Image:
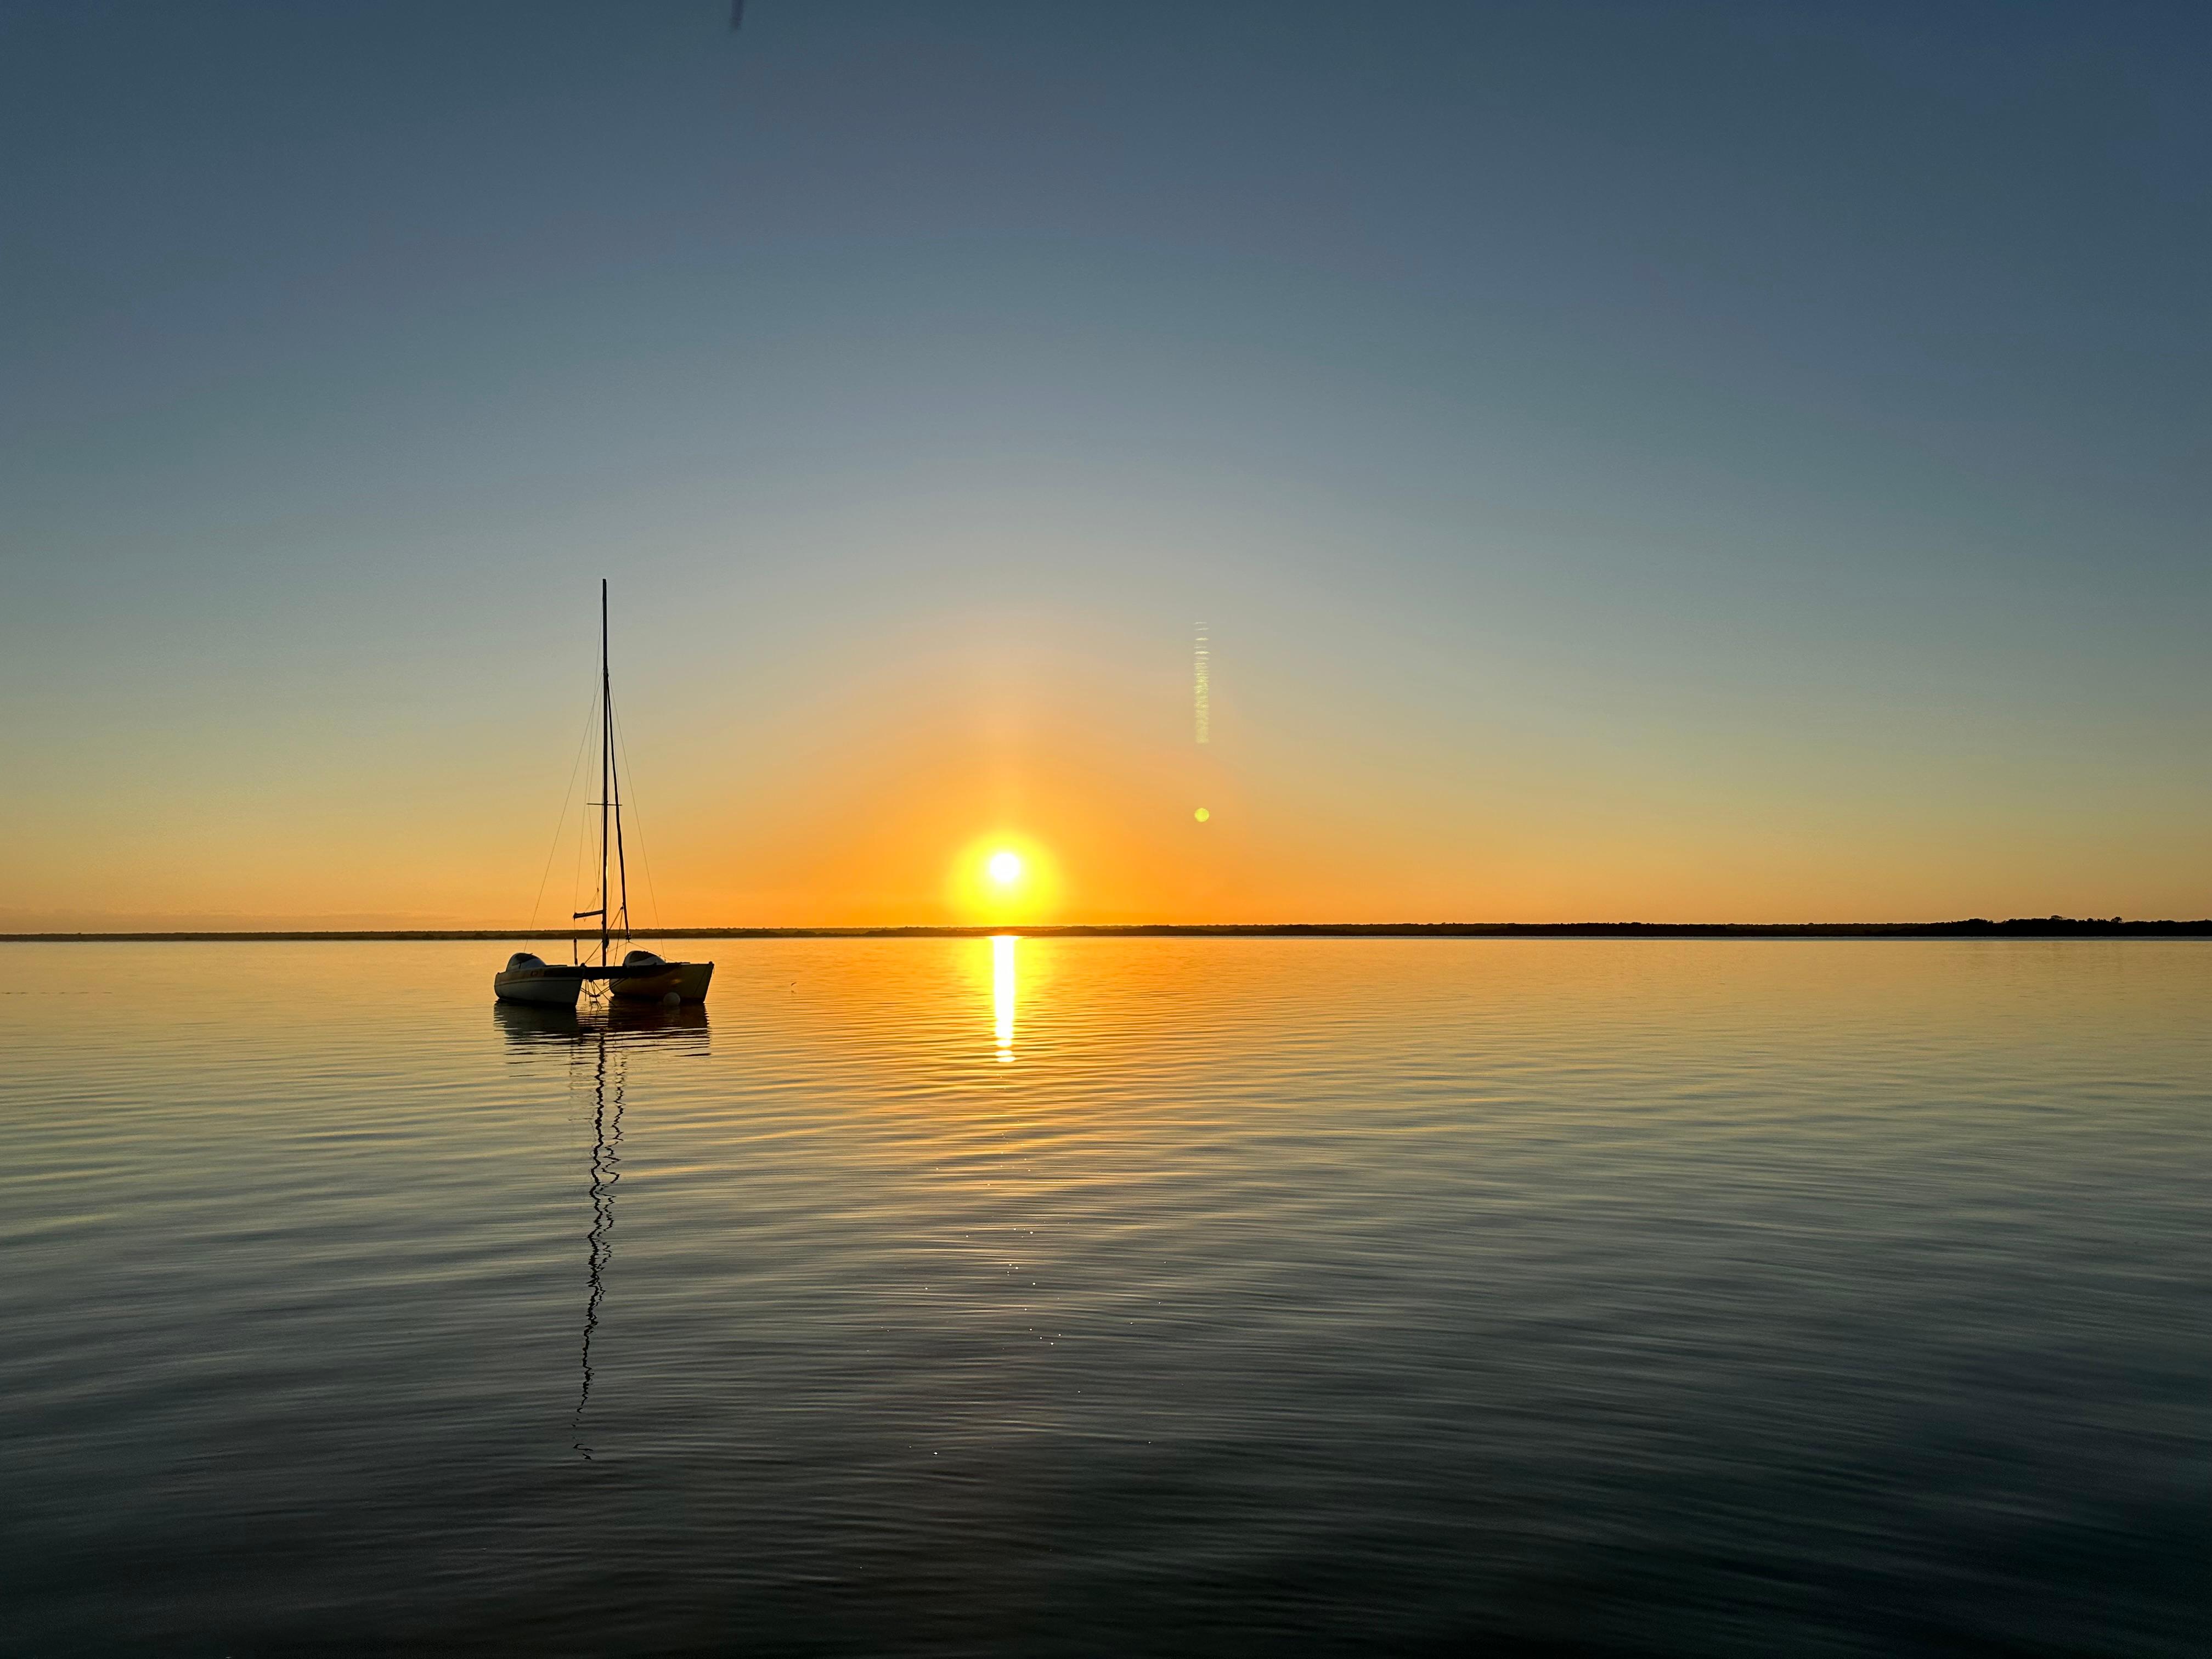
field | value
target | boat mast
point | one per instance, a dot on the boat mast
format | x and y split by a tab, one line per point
606	767
614	773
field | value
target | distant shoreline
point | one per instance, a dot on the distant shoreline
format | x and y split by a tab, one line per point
2043	928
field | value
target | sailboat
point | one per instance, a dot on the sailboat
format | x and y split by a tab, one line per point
640	976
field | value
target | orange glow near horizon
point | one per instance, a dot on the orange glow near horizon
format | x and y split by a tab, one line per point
888	811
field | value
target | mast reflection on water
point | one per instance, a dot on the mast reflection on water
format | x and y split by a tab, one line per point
602	1037
606	1137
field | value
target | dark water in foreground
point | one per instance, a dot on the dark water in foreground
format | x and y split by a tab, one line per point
1213	1296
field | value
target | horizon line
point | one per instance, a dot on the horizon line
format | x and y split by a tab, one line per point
2054	926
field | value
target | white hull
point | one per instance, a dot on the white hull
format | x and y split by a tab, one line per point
536	986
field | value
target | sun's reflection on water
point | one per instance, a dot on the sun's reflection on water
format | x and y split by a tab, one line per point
1005	987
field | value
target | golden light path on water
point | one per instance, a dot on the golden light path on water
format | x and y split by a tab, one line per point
1005	990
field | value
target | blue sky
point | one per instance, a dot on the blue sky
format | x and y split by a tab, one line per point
1742	461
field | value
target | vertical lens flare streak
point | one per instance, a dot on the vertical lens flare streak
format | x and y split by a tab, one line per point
1200	686
1005	987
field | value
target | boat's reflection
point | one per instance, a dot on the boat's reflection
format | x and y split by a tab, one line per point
599	1040
621	1023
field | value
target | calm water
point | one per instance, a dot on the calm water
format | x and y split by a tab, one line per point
1201	1295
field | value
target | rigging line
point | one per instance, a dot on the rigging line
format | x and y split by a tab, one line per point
644	858
583	833
561	822
622	860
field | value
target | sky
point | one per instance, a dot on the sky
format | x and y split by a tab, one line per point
1718	462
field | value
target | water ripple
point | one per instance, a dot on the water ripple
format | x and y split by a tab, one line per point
1174	1295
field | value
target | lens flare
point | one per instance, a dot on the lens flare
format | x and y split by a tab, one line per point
1201	685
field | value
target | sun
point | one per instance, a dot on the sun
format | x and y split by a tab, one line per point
1003	878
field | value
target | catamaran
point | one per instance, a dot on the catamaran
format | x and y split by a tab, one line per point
640	976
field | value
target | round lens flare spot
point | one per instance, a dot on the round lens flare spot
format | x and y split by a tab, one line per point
1201	814
1006	868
